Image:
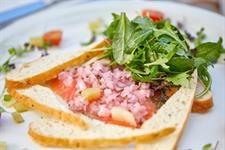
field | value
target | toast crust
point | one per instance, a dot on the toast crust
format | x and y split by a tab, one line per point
174	137
50	141
202	106
55	113
50	74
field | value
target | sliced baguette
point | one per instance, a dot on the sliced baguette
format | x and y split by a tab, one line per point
56	133
204	103
46	68
178	114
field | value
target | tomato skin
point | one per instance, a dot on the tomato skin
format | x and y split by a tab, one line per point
53	37
152	14
66	92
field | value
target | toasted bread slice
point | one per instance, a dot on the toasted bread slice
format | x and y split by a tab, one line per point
98	134
44	100
56	133
46	68
202	104
178	120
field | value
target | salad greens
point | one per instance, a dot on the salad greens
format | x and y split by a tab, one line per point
157	51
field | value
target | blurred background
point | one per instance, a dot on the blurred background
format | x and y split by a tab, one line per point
11	10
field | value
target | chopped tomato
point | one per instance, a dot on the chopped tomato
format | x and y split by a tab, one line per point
152	14
66	92
53	37
151	109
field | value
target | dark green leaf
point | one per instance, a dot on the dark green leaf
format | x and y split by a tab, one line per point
110	31
123	32
180	64
210	51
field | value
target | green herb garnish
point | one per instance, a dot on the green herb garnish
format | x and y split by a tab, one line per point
7	97
200	37
14	53
157	51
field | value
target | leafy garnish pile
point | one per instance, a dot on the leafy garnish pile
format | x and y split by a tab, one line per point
158	51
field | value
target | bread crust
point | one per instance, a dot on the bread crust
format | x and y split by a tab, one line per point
202	106
174	137
57	114
95	142
50	74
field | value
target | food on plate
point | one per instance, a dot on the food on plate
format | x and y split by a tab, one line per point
17	117
108	134
41	43
53	37
154	15
136	86
37	94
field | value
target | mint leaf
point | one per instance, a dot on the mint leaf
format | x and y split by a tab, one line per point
179	79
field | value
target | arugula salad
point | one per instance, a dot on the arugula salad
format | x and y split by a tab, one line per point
154	50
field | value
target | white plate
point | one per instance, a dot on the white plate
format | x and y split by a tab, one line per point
73	20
